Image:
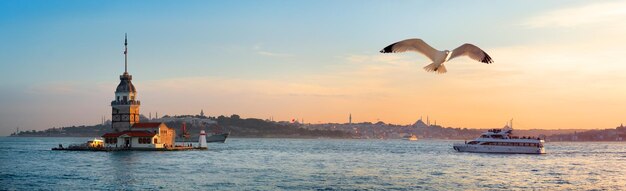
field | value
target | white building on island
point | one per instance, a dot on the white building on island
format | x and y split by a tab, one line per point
142	135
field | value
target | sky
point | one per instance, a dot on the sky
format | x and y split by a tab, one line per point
558	64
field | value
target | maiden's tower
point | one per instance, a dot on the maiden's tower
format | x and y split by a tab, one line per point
128	132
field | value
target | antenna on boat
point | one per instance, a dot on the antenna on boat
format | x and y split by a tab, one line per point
511	123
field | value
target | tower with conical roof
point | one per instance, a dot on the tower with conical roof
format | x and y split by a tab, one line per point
125	107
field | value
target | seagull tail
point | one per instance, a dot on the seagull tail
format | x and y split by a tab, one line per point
434	67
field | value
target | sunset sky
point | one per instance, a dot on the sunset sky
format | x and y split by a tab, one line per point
558	64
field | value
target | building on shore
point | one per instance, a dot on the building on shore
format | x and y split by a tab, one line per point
128	132
142	135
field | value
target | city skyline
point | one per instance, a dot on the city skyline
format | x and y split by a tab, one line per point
557	64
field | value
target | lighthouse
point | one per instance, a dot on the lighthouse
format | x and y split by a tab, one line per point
125	106
128	132
202	140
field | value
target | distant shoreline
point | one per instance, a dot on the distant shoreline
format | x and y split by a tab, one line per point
329	138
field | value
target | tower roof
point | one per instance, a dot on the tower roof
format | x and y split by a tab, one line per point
125	84
130	134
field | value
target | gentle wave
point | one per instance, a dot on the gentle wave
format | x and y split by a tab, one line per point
310	164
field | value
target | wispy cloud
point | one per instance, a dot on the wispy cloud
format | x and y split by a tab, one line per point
273	54
68	88
592	13
258	49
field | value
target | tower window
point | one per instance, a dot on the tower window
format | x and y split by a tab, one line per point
125	98
118	98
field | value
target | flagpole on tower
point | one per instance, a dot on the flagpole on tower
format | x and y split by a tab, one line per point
125	53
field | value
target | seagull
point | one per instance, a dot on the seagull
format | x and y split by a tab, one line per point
438	57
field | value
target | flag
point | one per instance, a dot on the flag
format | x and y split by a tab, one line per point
125	43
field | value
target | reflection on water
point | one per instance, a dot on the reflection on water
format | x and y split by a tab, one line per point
270	164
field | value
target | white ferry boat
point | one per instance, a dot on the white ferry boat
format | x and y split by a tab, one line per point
502	141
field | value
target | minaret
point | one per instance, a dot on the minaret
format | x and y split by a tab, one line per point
125	106
202	113
350	119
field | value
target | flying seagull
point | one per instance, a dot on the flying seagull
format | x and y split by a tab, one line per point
438	57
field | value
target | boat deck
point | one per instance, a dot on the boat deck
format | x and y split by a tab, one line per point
128	149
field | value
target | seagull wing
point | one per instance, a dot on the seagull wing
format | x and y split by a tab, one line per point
473	52
417	45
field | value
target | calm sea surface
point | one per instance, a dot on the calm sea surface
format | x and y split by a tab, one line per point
310	164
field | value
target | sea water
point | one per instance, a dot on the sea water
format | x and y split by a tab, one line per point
310	164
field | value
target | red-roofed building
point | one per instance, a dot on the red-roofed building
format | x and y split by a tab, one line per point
142	135
147	125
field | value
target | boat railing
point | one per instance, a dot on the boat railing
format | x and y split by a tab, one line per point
524	137
512	137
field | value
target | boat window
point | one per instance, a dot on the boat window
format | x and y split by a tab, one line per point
473	142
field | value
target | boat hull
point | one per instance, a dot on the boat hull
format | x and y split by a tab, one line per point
217	138
498	149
